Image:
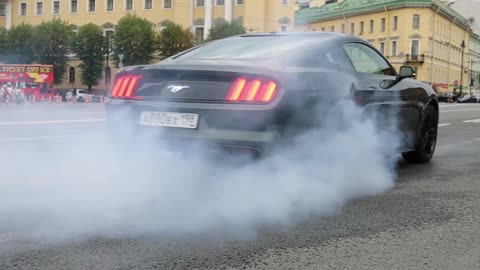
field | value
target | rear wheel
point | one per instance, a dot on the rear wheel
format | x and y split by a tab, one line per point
427	141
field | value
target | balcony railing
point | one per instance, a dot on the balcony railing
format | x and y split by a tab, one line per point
415	58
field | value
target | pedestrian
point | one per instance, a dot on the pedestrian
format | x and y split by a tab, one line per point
74	95
69	96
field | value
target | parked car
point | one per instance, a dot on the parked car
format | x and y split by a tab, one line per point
83	95
469	99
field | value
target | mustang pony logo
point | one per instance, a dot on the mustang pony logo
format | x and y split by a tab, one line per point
177	88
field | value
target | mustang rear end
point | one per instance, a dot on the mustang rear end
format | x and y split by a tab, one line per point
231	109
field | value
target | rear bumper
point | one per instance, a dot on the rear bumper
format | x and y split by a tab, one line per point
231	127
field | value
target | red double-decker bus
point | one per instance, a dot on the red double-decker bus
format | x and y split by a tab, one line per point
35	80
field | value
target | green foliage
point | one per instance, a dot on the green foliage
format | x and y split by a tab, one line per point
89	45
134	37
51	42
225	29
174	39
17	47
3	44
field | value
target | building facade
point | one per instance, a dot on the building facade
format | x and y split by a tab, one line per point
474	63
427	35
470	9
197	15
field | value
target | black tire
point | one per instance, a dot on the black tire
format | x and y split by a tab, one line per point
427	139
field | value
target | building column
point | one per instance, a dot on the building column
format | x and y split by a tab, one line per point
208	18
8	14
190	22
228	10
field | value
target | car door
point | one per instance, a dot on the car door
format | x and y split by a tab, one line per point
378	87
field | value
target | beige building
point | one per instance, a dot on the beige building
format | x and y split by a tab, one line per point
197	15
426	34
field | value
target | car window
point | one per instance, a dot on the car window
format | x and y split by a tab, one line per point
333	59
367	60
82	92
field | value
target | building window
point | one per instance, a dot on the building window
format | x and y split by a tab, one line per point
108	33
109	5
284	2
73	6
343	28
361	28
23	9
56	8
167	4
91	5
71	75
382	47
239	2
322	29
220	2
332	28
415	48
148	4
39	8
416	21
395	23
371	26
352	28
2	9
128	4
200	3
283	28
382	25
199	35
394	48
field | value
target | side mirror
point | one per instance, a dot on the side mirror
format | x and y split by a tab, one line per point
407	72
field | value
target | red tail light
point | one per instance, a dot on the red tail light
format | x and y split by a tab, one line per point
125	86
256	90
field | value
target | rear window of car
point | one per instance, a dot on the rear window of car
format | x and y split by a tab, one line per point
249	47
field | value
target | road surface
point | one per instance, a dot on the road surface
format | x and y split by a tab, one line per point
429	220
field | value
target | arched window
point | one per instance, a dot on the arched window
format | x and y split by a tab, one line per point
71	75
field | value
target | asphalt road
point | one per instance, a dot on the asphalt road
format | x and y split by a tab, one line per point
429	220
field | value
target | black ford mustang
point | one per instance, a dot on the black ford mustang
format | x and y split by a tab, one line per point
245	92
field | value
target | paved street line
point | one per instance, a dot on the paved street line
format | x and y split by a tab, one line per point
86	113
459	110
443	125
46	122
22	139
472	121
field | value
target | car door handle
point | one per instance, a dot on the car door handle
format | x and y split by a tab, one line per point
372	88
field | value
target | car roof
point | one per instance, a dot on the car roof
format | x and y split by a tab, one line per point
319	35
324	39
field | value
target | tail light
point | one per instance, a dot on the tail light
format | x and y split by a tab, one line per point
126	86
257	91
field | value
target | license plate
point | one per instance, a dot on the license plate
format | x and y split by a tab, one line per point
169	119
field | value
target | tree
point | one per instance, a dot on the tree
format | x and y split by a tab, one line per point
18	46
225	29
174	39
3	44
51	42
134	37
89	46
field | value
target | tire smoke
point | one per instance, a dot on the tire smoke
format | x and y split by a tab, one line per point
90	187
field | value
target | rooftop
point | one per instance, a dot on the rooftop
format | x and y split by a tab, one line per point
356	7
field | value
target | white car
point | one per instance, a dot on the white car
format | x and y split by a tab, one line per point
83	94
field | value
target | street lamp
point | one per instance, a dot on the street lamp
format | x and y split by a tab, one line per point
461	70
107	67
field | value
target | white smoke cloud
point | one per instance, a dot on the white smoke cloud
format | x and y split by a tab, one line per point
89	188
